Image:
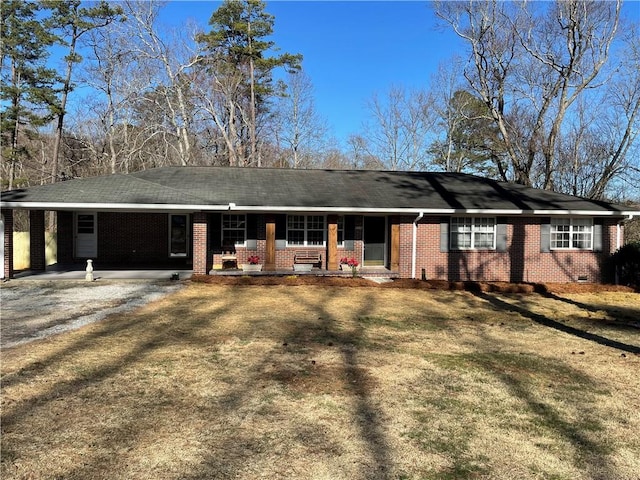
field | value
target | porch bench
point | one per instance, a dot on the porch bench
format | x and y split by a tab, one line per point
308	257
229	257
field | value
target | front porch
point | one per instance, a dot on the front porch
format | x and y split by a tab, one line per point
124	272
207	243
363	272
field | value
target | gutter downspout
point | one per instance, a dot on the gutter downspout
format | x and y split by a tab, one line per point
414	245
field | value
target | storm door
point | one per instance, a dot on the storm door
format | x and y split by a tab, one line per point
375	237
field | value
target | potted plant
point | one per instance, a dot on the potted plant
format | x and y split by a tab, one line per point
349	264
253	264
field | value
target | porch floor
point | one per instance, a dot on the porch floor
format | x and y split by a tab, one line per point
77	272
381	272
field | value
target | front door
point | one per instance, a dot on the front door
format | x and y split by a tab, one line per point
375	229
86	234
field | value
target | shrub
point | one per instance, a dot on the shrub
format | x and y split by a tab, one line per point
627	264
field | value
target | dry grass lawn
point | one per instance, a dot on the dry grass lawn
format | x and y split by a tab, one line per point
324	382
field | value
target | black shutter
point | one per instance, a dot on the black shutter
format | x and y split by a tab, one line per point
597	235
215	231
501	234
545	235
252	231
281	231
349	232
444	234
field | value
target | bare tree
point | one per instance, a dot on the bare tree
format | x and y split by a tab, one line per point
297	126
396	133
172	54
529	64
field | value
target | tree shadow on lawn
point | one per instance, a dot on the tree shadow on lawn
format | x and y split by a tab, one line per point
234	450
304	340
623	316
535	381
548	322
131	326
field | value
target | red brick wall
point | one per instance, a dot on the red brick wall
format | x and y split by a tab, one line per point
136	238
522	261
143	238
37	242
65	237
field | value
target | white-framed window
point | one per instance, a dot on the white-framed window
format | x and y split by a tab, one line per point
305	230
571	233
473	233
234	229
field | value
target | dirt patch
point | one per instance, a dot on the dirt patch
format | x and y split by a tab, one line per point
498	287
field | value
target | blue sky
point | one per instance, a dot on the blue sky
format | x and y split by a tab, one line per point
351	49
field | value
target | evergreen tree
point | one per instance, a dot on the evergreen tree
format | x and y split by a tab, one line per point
472	142
237	45
27	87
70	21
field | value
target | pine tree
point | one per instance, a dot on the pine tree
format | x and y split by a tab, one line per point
70	21
237	45
27	87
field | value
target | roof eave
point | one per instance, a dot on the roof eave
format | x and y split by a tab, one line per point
111	207
156	207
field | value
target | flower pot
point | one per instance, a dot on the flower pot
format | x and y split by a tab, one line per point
250	267
346	268
302	267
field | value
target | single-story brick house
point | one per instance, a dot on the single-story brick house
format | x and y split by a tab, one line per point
413	224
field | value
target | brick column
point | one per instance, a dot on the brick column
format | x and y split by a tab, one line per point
7	218
332	243
64	238
200	243
270	247
37	245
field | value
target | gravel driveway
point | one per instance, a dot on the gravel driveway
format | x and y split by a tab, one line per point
37	309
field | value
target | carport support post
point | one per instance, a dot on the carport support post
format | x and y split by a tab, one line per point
199	243
7	253
270	250
395	244
37	240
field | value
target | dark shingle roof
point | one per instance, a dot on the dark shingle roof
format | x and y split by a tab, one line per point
172	187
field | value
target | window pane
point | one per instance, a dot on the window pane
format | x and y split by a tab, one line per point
483	240
315	222
582	240
295	237
461	240
315	237
85	223
233	229
295	222
560	240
